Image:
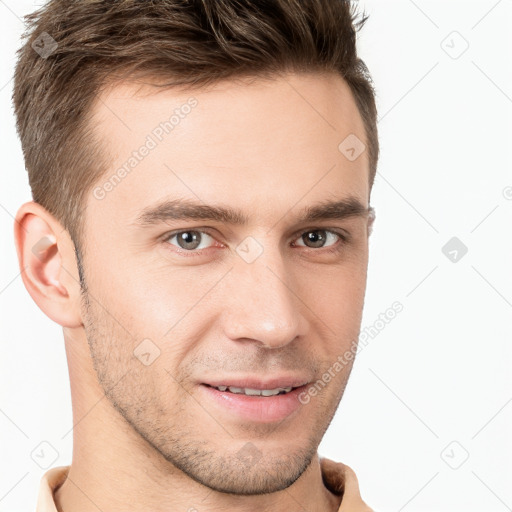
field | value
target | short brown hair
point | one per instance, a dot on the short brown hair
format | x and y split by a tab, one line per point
86	44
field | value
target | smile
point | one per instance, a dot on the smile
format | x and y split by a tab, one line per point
254	392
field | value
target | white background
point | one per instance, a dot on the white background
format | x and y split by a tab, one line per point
434	387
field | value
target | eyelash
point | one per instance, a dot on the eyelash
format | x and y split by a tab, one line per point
335	248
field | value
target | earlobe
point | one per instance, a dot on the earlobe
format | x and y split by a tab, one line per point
46	259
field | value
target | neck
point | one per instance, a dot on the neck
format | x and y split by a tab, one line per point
113	466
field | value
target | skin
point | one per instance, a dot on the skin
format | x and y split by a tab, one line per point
147	435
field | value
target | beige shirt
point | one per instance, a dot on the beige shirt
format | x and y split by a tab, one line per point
339	478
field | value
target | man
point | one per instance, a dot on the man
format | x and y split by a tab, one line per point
201	174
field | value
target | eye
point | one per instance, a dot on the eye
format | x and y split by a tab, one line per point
318	238
190	240
193	240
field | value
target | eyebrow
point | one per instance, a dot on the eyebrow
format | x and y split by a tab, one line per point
186	209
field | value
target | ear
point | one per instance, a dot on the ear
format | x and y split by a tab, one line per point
371	220
46	256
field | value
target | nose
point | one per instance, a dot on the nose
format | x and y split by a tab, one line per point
263	306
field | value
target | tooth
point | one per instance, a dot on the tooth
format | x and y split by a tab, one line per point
255	392
252	392
269	392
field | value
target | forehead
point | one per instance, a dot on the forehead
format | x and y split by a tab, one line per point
261	144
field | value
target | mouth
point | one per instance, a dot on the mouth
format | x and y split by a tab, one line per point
253	400
253	391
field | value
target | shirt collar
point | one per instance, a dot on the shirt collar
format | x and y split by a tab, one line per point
339	478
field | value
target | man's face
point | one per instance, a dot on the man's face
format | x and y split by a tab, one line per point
178	306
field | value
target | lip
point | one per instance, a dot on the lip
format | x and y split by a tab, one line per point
257	409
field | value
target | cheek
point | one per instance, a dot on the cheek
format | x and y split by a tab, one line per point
155	298
169	306
335	298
